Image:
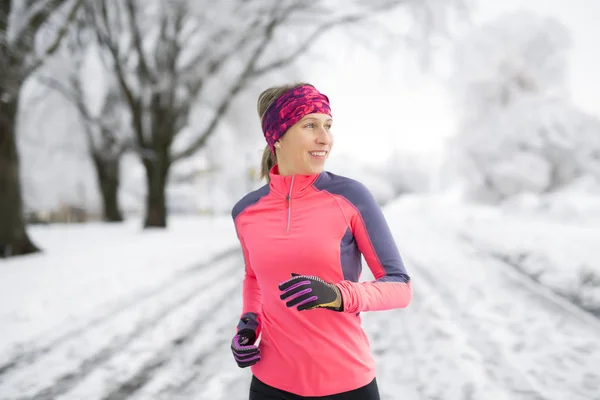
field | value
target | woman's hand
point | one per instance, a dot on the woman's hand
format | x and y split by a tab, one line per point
310	292
244	351
243	345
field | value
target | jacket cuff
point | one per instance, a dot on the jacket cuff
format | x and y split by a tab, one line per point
249	321
348	297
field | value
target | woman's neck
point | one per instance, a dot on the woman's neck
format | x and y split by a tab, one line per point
284	170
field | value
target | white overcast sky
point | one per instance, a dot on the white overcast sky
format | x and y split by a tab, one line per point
375	111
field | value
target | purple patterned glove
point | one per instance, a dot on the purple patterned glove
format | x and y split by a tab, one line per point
309	292
244	351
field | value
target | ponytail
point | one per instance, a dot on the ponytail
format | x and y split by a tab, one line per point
267	162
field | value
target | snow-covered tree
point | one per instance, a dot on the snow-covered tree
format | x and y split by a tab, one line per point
22	51
370	175
535	145
101	110
518	54
519	133
174	58
408	173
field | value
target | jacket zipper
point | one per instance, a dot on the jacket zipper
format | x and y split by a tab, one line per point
289	205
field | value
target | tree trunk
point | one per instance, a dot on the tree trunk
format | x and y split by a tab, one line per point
107	171
157	170
13	236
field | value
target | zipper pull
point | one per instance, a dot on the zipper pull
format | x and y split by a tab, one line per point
287	200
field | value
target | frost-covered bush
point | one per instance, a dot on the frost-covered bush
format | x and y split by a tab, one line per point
535	145
518	133
519	53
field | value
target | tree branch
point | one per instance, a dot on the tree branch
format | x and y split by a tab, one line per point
25	39
251	71
64	28
74	97
143	70
60	35
214	62
5	10
195	80
241	82
68	94
108	41
168	50
24	43
190	176
318	32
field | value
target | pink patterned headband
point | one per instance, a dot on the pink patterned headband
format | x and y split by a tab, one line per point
289	108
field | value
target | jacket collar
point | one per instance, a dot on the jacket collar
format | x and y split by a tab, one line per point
293	186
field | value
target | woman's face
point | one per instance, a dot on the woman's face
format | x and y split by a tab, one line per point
305	146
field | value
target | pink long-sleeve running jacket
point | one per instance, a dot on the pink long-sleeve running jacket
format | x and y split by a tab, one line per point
316	225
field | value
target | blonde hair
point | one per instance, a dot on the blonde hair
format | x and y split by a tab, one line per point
265	99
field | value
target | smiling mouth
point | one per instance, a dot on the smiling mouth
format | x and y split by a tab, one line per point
318	153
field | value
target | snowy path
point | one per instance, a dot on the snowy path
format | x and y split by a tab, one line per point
510	337
121	348
476	329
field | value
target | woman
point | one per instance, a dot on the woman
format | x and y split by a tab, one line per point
302	236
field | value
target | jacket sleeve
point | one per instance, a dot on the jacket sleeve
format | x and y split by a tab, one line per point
392	287
251	295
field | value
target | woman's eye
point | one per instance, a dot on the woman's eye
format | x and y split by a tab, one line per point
309	125
328	127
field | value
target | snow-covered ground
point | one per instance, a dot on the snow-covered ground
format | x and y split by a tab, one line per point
558	248
481	329
112	312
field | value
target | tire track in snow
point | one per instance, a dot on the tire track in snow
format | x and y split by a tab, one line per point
81	368
554	350
212	373
215	360
37	350
578	351
425	354
519	276
202	366
207	363
392	345
518	328
496	367
181	344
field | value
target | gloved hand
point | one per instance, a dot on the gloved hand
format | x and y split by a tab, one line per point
309	292
244	351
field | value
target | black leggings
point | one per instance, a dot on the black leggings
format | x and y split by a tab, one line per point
261	391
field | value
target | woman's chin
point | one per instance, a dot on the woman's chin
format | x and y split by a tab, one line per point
317	167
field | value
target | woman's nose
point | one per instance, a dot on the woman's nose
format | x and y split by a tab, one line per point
323	137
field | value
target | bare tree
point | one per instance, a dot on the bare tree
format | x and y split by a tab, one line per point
20	23
170	57
107	133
